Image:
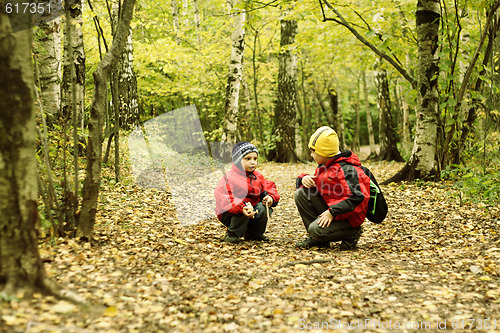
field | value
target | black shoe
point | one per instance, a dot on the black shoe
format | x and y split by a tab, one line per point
352	241
308	243
231	237
260	238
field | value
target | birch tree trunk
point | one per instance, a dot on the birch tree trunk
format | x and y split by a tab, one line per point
405	109
184	13
74	27
230	128
48	55
369	121
355	140
126	84
421	164
285	115
92	181
387	137
175	20
197	22
21	268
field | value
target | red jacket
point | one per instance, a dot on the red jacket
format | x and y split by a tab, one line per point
238	187
344	186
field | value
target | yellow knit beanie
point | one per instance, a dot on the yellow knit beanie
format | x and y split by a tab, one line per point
324	142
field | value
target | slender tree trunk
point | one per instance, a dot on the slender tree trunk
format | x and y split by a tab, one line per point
92	179
247	129
124	92
175	19
369	121
468	125
233	87
48	55
285	115
338	121
197	22
405	109
421	163
21	268
306	115
255	87
387	138
184	13
355	105
77	60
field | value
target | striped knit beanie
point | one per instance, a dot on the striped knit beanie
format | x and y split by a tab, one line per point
241	149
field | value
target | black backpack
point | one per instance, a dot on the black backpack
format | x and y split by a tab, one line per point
377	206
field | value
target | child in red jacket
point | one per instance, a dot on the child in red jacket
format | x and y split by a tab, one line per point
242	195
332	203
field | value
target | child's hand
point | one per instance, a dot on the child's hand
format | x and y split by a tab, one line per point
248	210
268	201
308	181
325	219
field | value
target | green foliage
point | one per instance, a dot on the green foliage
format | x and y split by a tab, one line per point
479	179
473	184
190	66
4	297
269	143
58	171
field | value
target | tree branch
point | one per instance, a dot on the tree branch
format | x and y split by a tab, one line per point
381	54
465	81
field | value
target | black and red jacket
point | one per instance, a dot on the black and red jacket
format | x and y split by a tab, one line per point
238	187
344	187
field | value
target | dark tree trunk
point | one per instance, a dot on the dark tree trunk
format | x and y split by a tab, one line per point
21	268
338	122
286	104
387	138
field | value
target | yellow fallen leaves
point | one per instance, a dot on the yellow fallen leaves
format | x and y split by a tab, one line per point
485	278
110	311
64	307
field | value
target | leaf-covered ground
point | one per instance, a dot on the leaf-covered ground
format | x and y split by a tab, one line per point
431	265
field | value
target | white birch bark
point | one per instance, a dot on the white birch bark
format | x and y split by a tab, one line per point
197	21
175	19
406	121
184	13
125	80
127	88
424	149
75	29
230	128
369	121
48	56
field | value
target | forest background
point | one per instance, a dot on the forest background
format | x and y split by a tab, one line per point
420	80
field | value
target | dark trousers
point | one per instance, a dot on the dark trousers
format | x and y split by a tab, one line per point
246	226
310	205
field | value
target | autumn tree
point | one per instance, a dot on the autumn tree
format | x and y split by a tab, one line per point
73	69
387	138
422	160
235	76
369	121
21	268
47	52
286	102
92	181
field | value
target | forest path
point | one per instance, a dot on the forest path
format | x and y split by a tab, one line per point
430	261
